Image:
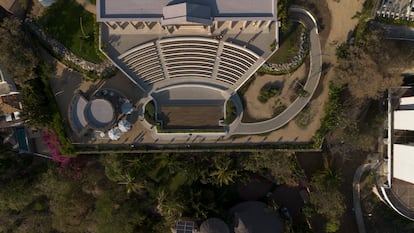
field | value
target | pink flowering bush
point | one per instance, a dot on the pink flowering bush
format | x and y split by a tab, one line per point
68	166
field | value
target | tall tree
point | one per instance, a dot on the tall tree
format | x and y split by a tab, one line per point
371	65
280	166
224	171
17	56
326	198
131	184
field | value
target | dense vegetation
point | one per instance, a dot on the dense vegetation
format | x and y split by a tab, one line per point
231	112
40	108
73	26
326	199
17	55
282	13
267	92
364	72
149	114
289	44
145	193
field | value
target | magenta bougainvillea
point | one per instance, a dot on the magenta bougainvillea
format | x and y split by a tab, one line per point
67	166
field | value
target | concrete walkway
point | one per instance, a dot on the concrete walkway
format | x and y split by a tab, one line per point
315	55
357	195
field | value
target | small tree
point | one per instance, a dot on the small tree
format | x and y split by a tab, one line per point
342	51
326	198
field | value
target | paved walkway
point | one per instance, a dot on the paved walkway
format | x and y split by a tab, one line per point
282	119
357	195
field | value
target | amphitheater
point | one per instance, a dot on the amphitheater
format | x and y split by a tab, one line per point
194	53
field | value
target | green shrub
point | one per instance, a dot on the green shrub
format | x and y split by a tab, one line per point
282	10
231	112
149	114
342	51
267	92
330	119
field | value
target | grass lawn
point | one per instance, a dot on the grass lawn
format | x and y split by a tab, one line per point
62	21
289	47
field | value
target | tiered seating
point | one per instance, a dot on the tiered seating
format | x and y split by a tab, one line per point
234	63
189	57
145	62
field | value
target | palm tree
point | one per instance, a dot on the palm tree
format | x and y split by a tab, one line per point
224	173
135	164
131	184
169	207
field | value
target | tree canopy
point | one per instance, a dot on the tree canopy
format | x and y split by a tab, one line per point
118	193
326	198
370	65
17	55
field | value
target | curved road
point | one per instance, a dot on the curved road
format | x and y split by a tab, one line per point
315	55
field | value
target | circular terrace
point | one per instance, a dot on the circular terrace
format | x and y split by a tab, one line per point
100	113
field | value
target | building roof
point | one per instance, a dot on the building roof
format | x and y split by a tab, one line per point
184	13
407	103
254	217
10	104
149	10
214	225
403	162
403	120
184	226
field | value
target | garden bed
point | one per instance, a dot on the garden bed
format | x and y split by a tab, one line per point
73	26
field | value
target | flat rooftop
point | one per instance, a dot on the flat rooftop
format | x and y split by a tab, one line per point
149	10
403	162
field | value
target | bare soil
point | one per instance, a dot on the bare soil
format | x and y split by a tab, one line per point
37	10
183	117
258	111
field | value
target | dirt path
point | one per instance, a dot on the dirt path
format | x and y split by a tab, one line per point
341	26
